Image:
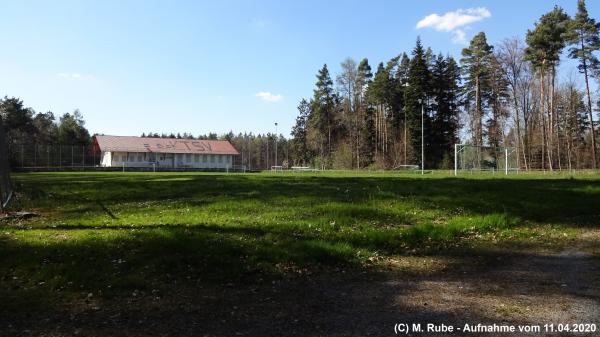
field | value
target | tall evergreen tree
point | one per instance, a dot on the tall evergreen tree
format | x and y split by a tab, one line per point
584	38
475	64
545	43
416	98
299	133
363	79
379	93
367	146
445	93
321	119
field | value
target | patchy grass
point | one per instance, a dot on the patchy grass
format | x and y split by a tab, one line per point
103	235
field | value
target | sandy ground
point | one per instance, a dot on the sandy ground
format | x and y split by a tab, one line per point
483	286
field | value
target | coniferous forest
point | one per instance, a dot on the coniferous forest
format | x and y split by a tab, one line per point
504	94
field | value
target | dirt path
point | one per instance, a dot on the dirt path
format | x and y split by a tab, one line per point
493	286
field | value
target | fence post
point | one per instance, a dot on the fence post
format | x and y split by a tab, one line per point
506	161
455	160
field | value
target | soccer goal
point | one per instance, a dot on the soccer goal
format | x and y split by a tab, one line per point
484	158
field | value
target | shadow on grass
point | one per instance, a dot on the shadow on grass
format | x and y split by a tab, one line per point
215	280
538	200
47	266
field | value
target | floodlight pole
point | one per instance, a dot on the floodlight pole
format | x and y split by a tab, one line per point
455	160
276	144
422	137
506	161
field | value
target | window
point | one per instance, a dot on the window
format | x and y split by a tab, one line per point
196	158
140	157
204	159
220	159
188	157
212	158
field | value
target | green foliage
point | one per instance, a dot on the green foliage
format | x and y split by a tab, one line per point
583	36
476	63
24	126
321	119
18	120
416	98
446	98
546	41
300	147
71	129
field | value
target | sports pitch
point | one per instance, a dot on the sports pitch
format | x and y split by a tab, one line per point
328	253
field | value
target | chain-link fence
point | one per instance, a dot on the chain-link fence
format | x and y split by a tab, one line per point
42	157
25	156
5	185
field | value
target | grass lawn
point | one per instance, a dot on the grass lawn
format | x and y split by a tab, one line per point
136	249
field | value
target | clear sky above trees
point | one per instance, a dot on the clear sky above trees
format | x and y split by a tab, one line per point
210	66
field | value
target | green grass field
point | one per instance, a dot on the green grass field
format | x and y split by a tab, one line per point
106	235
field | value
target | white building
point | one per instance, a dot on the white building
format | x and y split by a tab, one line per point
118	151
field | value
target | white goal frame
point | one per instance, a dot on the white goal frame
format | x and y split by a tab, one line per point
506	153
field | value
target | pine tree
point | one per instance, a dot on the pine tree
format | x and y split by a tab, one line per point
545	43
416	95
445	94
299	134
367	146
475	63
363	79
584	38
378	93
322	117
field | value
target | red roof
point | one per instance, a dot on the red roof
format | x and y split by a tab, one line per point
164	145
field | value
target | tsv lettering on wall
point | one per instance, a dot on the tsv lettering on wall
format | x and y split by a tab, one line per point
190	145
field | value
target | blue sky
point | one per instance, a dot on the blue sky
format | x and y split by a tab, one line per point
215	66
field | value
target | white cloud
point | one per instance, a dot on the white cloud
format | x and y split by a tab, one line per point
69	75
451	21
268	97
459	36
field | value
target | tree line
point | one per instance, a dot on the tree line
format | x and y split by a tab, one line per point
504	95
23	125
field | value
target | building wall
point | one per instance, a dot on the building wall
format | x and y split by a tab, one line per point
177	160
105	159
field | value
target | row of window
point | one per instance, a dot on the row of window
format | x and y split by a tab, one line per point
179	157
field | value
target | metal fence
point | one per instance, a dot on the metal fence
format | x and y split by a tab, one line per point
43	157
24	156
5	185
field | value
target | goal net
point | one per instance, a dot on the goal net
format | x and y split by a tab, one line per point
5	185
484	158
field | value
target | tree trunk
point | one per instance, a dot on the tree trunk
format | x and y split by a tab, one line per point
590	115
551	121
542	116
